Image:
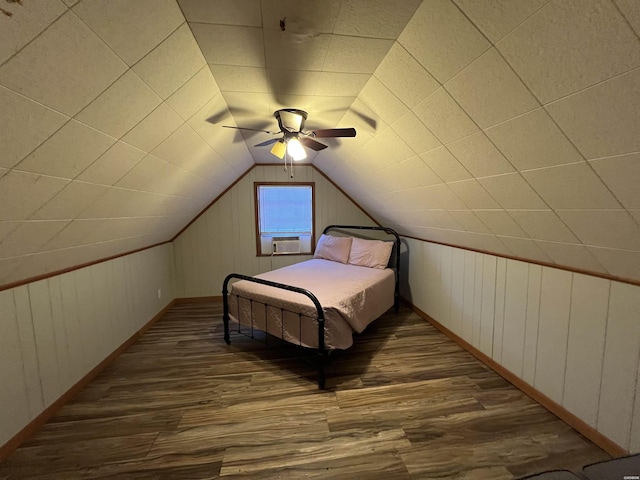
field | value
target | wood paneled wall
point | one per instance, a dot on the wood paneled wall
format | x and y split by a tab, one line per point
223	239
53	332
573	337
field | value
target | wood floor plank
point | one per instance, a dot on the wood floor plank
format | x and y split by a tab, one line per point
403	402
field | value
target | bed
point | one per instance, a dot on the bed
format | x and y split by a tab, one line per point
320	303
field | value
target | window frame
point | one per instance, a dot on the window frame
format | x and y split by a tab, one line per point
256	202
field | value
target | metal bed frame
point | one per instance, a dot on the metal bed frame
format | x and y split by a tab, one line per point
321	350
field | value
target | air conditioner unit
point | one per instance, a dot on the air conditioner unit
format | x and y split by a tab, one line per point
286	244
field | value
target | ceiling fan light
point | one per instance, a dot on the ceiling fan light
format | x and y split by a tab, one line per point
296	150
279	148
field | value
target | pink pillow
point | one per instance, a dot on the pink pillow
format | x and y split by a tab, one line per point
370	253
333	248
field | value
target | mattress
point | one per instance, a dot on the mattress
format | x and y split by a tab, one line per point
351	297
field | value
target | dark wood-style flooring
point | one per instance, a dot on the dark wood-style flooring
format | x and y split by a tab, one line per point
404	402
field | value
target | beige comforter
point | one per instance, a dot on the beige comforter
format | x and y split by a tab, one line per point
351	297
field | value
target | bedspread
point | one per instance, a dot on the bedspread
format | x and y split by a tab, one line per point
351	297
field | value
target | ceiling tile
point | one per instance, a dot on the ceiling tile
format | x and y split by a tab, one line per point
355	54
332	84
415	134
288	51
229	45
418	174
68	152
525	249
572	255
512	192
25	24
393	146
14	205
441	196
489	91
469	221
622	175
453	42
631	11
543	225
380	99
413	85
194	94
568	46
532	141
148	174
374	18
227	12
131	29
496	18
112	165
8	267
571	186
172	63
500	223
603	120
64	68
240	79
444	117
6	227
473	194
29	237
603	228
479	155
119	108
303	17
620	263
156	127
18	111
445	165
70	201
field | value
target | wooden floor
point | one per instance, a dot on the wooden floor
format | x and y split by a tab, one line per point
403	402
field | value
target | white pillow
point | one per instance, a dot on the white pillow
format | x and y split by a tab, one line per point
370	253
333	248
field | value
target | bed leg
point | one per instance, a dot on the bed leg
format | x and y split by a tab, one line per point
322	356
225	310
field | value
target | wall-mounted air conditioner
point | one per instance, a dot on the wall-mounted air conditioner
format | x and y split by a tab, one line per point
286	244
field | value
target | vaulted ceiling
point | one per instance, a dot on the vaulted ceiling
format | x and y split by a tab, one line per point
508	126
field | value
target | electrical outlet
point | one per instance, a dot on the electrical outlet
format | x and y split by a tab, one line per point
159	293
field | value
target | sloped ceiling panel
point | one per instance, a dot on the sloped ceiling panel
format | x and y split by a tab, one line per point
510	127
106	146
513	128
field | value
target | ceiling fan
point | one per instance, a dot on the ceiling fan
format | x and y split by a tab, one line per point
291	123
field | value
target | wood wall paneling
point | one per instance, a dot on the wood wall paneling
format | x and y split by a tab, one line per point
553	332
620	367
534	284
53	332
585	348
515	314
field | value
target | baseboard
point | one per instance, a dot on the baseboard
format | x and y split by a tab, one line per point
24	434
559	411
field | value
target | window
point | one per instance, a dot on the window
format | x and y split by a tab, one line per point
285	218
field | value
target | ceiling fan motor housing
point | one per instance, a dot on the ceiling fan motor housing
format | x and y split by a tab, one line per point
290	119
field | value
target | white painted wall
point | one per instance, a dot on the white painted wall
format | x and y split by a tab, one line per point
223	239
55	331
573	337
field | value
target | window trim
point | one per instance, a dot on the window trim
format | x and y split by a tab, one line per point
256	187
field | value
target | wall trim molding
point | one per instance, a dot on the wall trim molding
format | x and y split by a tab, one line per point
606	276
24	434
212	298
44	276
559	411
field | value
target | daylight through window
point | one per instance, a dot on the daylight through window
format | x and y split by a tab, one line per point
285	216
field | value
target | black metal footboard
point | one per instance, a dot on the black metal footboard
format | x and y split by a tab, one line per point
322	351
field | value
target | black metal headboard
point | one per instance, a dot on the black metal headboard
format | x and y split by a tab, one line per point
388	231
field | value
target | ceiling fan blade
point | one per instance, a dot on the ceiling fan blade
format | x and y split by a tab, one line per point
335	132
268	142
251	129
312	144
